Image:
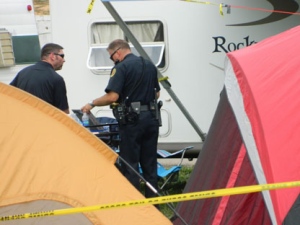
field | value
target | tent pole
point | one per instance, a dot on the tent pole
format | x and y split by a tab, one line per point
153	189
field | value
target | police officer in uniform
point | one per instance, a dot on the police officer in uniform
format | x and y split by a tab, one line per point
133	81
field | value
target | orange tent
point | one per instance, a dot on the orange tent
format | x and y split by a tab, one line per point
50	162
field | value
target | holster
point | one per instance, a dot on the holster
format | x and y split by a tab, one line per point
155	107
159	105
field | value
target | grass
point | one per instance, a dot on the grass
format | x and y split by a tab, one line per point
175	187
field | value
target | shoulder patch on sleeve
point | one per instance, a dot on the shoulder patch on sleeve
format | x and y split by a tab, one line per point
113	72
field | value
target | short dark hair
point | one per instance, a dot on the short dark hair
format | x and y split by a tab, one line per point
118	43
50	47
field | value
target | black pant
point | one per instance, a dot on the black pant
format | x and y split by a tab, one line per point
139	145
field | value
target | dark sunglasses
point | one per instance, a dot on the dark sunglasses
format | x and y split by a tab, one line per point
61	55
112	55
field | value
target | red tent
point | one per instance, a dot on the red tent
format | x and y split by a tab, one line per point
254	138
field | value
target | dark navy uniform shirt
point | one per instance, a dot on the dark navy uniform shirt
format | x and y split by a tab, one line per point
125	76
42	81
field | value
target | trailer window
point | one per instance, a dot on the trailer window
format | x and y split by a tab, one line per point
150	34
26	49
99	57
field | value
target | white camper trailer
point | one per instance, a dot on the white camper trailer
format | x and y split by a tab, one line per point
187	41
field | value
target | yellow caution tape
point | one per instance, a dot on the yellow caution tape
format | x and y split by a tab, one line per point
158	200
91	5
221	9
163	78
208	3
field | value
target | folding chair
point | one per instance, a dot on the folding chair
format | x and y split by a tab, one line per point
171	174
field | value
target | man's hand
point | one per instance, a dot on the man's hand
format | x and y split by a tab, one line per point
87	108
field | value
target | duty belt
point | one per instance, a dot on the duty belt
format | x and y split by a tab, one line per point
144	108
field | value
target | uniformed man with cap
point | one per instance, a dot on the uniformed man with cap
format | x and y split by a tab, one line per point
134	86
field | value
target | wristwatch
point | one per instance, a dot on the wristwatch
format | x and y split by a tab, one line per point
91	104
